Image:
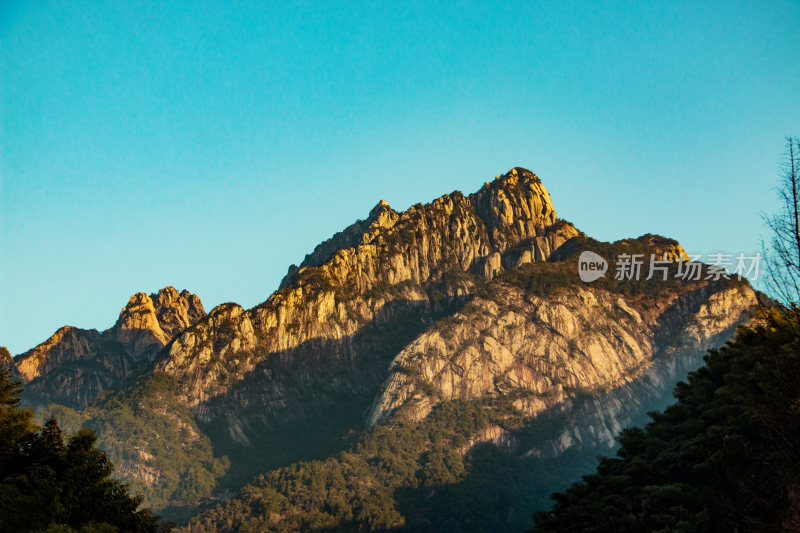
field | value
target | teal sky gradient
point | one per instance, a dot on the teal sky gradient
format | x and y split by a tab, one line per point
209	145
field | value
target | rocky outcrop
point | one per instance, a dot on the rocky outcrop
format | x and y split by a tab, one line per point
389	258
66	345
8	362
226	333
137	327
494	434
147	323
176	311
582	340
381	216
74	365
593	422
402	311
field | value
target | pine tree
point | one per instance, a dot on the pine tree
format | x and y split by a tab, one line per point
49	485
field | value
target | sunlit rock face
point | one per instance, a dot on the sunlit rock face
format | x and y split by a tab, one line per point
147	323
74	365
400	312
66	344
325	332
344	283
550	349
8	362
326	320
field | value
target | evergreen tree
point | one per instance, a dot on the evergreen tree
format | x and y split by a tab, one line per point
723	458
49	485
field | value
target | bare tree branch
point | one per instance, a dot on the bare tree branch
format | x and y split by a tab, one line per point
782	254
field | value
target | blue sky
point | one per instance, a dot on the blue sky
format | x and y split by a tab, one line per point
208	145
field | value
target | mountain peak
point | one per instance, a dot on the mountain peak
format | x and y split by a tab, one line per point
74	365
148	322
139	298
137	326
380	209
390	259
512	177
169	292
523	174
7	361
67	343
176	311
380	216
514	206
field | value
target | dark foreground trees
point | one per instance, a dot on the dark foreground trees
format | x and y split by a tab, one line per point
723	458
51	484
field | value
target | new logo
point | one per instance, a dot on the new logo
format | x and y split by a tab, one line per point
591	266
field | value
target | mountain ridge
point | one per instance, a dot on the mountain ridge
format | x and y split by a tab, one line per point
391	250
465	300
74	365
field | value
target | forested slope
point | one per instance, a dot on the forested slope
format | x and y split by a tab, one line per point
723	458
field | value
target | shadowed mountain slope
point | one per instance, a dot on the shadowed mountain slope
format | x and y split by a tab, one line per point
398	328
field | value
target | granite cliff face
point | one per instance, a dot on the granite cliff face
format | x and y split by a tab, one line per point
147	323
242	369
467	297
8	362
328	316
65	345
75	365
577	341
558	365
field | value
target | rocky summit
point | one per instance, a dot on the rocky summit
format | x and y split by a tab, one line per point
469	305
147	323
8	362
377	272
74	365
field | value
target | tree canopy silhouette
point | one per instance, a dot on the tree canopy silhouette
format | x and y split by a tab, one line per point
723	458
52	484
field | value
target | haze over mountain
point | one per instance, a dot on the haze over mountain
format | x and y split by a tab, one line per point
395	353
